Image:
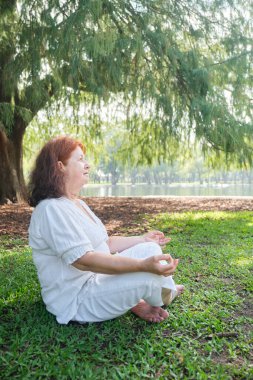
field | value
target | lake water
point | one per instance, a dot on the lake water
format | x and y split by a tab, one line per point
144	190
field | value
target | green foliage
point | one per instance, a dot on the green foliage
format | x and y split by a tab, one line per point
215	251
183	68
112	150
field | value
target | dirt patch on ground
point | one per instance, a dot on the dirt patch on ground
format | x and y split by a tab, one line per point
121	213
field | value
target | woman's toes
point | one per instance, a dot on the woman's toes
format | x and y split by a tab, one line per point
150	313
180	289
163	313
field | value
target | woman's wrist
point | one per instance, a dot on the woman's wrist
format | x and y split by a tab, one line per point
141	266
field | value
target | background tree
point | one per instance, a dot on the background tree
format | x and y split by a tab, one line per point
184	67
110	162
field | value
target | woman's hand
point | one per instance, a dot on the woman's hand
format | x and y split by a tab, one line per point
157	265
157	237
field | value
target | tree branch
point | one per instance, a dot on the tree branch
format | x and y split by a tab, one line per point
230	59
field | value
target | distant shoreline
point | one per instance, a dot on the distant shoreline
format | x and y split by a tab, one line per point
242	197
169	190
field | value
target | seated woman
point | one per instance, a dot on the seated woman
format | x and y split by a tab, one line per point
86	276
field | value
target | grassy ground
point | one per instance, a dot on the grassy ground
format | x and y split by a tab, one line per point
208	334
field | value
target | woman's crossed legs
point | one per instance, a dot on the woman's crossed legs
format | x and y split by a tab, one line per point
109	296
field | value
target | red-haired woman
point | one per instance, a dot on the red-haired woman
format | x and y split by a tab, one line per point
81	279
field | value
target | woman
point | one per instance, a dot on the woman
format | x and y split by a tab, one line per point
81	280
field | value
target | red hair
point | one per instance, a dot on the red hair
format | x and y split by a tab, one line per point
46	180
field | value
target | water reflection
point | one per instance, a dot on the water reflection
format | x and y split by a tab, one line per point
141	190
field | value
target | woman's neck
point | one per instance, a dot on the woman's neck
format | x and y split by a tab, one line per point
72	195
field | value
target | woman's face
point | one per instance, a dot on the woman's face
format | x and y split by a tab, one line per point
76	171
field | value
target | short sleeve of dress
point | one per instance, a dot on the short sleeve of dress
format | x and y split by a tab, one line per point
63	234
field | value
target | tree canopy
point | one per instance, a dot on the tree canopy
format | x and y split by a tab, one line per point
181	69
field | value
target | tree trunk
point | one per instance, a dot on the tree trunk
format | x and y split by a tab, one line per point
114	177
12	184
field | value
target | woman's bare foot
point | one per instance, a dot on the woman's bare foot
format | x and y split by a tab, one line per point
169	295
150	313
180	290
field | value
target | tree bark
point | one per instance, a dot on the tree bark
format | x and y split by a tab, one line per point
12	184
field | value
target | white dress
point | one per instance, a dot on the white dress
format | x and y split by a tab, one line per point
59	234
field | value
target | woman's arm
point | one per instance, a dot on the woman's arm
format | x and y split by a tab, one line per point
110	264
120	243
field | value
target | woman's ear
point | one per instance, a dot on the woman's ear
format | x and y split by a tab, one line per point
61	166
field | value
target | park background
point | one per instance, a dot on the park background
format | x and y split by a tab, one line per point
160	92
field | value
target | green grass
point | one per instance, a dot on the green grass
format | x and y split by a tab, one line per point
215	251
